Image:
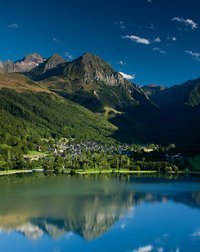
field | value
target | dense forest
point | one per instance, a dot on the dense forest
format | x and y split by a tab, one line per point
27	119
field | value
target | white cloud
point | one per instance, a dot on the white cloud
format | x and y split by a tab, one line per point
120	24
122	226
195	55
56	40
163	52
152	27
196	233
187	22
122	63
13	26
137	39
140	40
68	55
172	38
156	49
149	1
157	40
159	50
69	235
147	248
127	76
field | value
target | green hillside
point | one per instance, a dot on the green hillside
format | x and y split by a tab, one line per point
25	118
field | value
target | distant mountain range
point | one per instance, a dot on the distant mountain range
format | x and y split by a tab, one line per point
26	64
137	114
153	89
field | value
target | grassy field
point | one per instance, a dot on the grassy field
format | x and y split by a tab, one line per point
20	83
11	172
35	153
105	171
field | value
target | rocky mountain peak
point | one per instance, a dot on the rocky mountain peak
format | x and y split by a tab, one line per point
153	89
23	65
34	57
9	66
29	62
90	68
54	61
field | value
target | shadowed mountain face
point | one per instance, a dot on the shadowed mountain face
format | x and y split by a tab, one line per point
90	81
178	119
187	94
86	68
88	207
152	89
47	68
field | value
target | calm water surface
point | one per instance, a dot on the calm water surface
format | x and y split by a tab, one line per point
99	214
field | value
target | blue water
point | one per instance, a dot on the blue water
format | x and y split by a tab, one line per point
100	214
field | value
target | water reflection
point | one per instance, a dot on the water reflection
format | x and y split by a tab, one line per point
56	206
88	207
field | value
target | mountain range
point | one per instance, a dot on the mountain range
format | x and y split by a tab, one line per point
23	65
36	91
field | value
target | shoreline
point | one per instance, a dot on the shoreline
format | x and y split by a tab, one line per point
114	172
98	172
13	172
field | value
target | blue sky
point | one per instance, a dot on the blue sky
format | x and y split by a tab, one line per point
157	41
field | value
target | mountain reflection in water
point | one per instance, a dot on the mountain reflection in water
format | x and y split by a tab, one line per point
88	207
55	206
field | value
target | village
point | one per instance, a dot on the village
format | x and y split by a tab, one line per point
72	149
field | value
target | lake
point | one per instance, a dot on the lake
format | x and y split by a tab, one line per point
99	214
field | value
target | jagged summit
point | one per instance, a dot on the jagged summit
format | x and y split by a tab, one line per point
33	57
153	89
90	68
7	67
23	65
48	68
29	62
88	55
88	80
93	59
53	61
